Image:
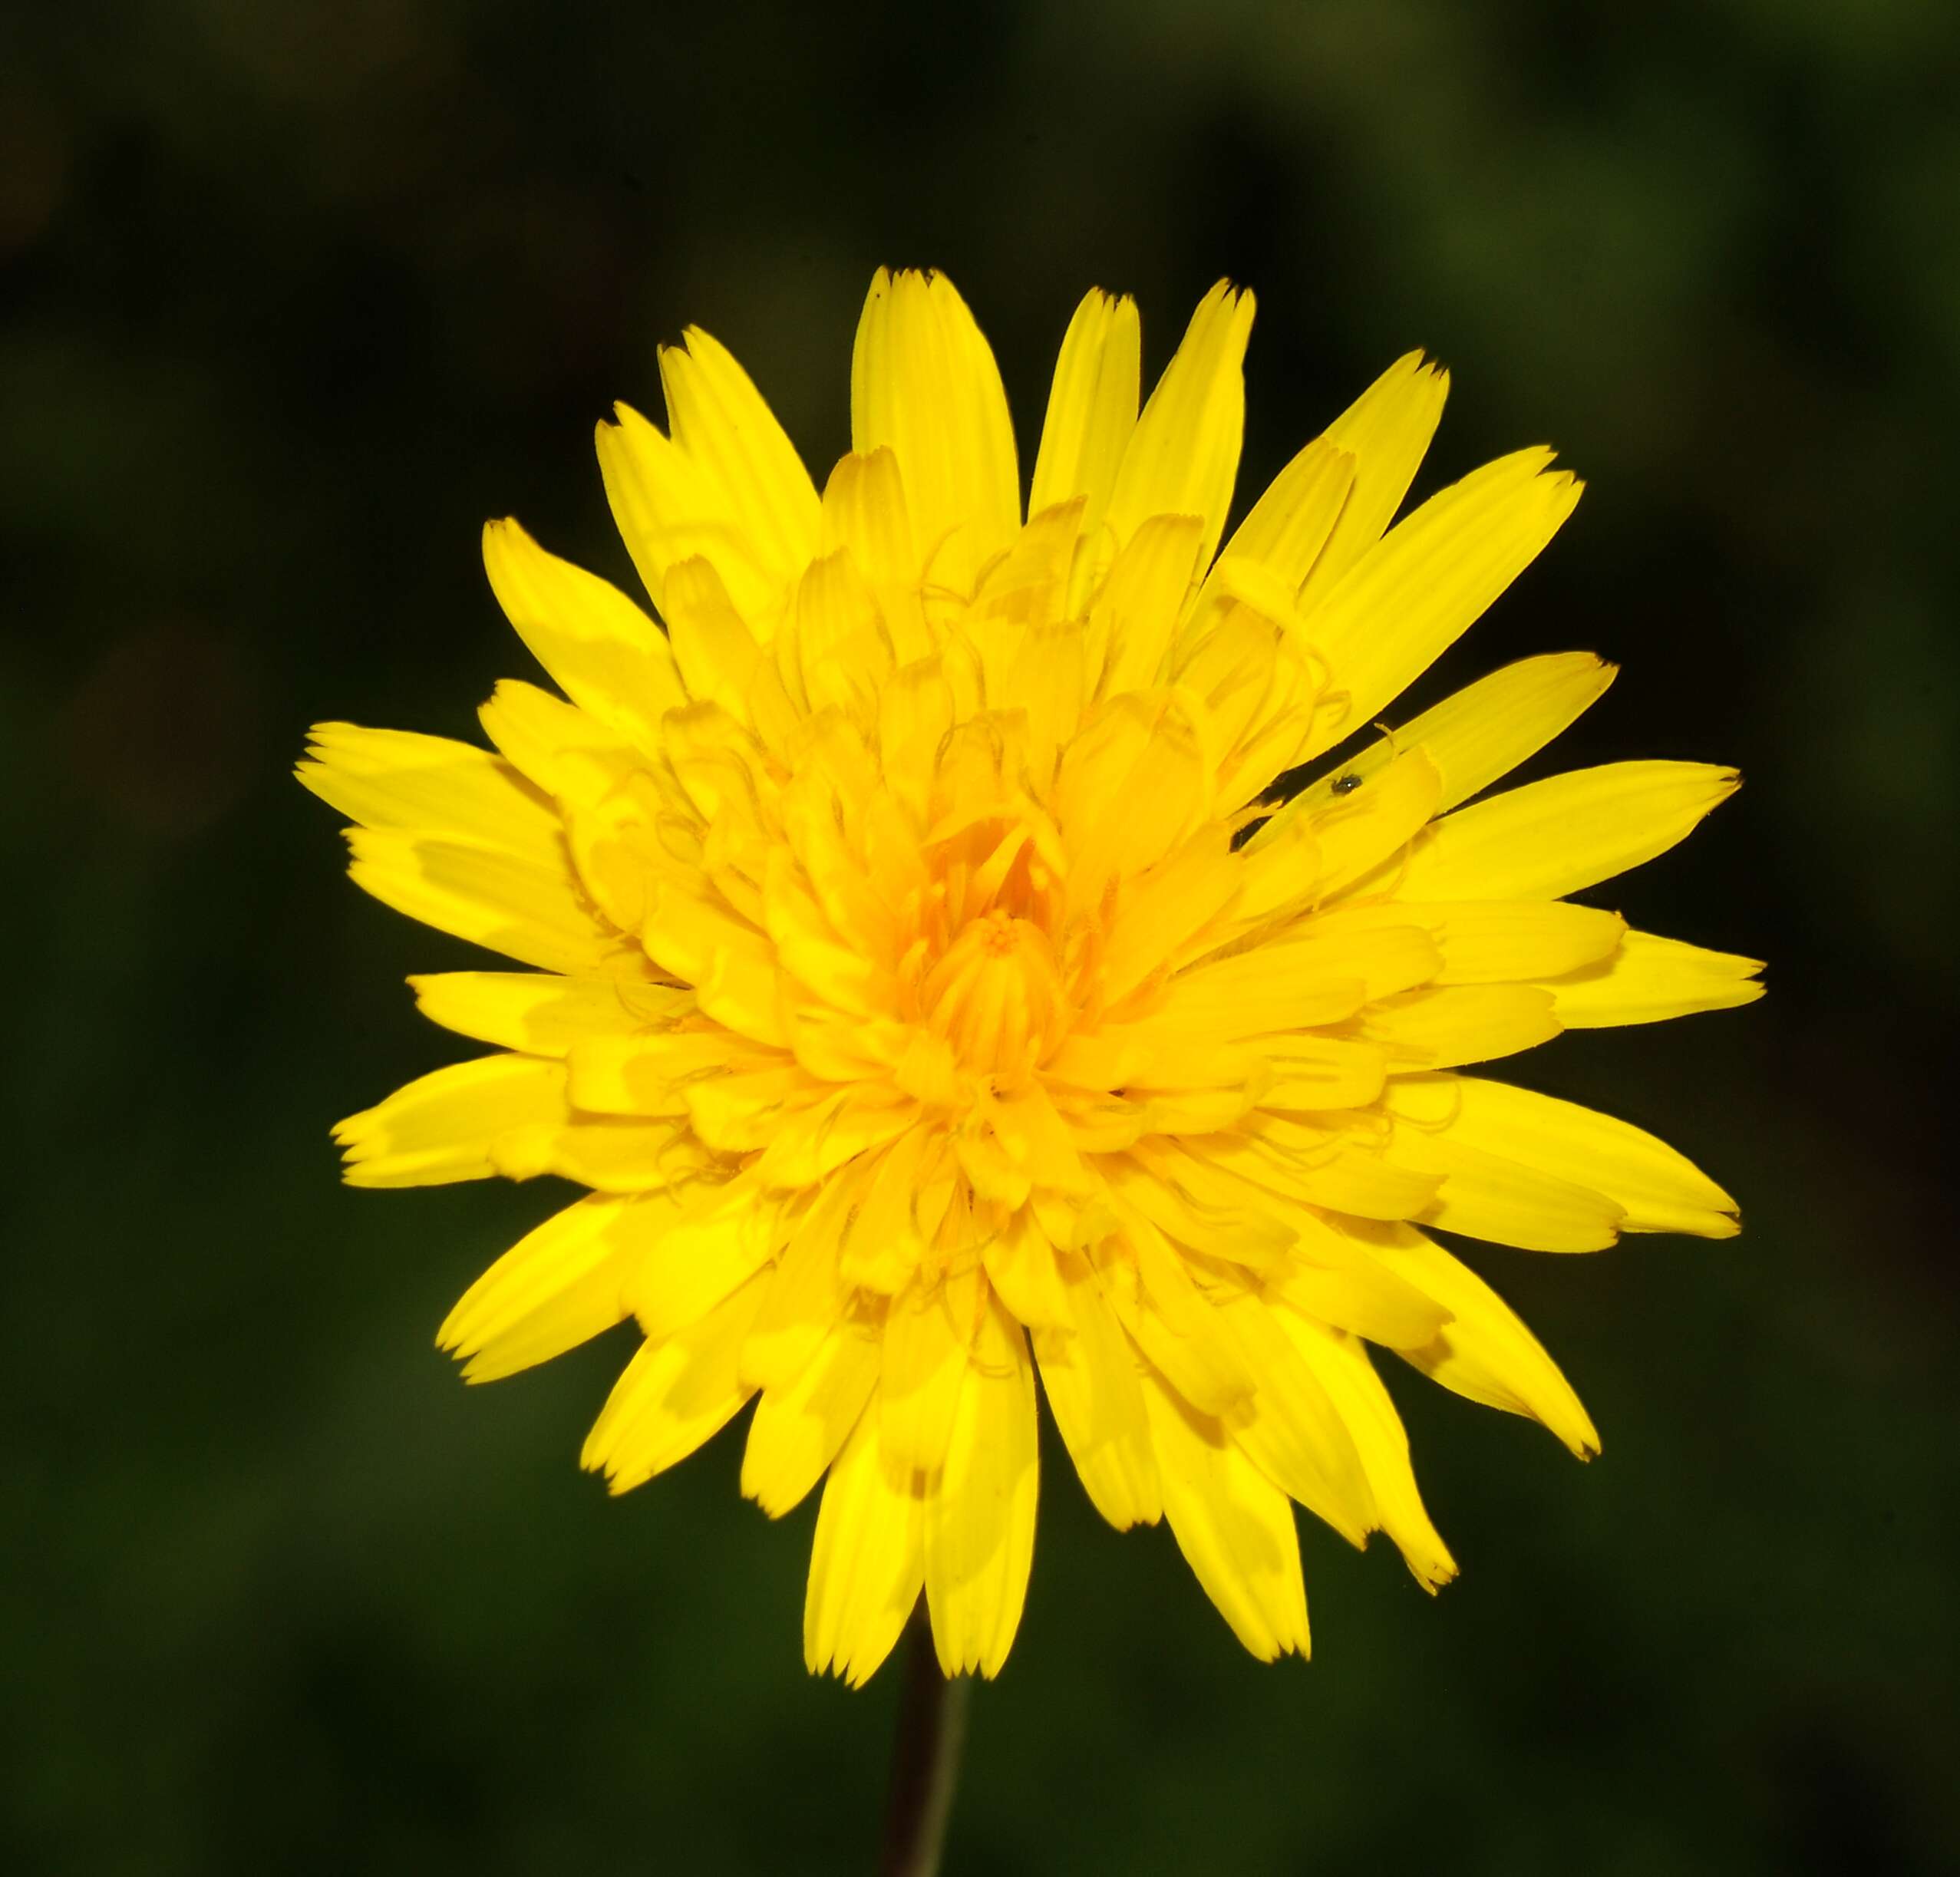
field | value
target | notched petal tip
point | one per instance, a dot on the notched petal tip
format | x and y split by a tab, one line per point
500	532
1420	362
838	1665
772	1506
1231	293
455	1333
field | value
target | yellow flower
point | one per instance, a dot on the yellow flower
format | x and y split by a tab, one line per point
930	992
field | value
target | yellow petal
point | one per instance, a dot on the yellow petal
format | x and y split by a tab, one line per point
720	419
1315	1072
1360	829
539	1012
1196	1207
1660	1190
1334	1278
670	507
1650	978
1273	987
731	966
868	1564
1291	523
923	381
1175	1325
1130	789
1197	1110
1485	730
1234	1526
1032	1135
653	1074
866	512
1373	949
1049	682
1569	832
1437	1029
1485	1195
1171	911
1314	1266
836	880
1182	457
1498	1201
724	774
1024	587
1092	408
924	1356
1326	1170
885	1241
1290	1429
1483	1352
980	1514
1386	430
915	717
1147	1058
710	1247
608	1155
445	1125
811	947
714	650
808	1298
1257	683
834	651
673	1396
1021	1264
799	1425
552	1290
566	753
610	658
738	1113
1340	1362
534	913
1407	600
1090	1373
1135	615
1505	941
818	1140
429	786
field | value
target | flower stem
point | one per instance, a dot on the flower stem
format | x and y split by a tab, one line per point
925	1757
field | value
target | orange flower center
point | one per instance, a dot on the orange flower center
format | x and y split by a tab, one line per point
997	996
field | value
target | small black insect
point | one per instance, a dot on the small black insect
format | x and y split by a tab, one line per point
1344	785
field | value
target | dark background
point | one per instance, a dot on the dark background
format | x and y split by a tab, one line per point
293	295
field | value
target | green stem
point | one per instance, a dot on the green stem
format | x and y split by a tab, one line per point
925	1757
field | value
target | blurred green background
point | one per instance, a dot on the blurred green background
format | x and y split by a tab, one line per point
294	293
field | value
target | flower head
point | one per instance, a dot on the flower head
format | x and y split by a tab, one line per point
932	990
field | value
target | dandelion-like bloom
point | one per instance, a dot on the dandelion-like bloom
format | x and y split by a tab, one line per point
931	994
